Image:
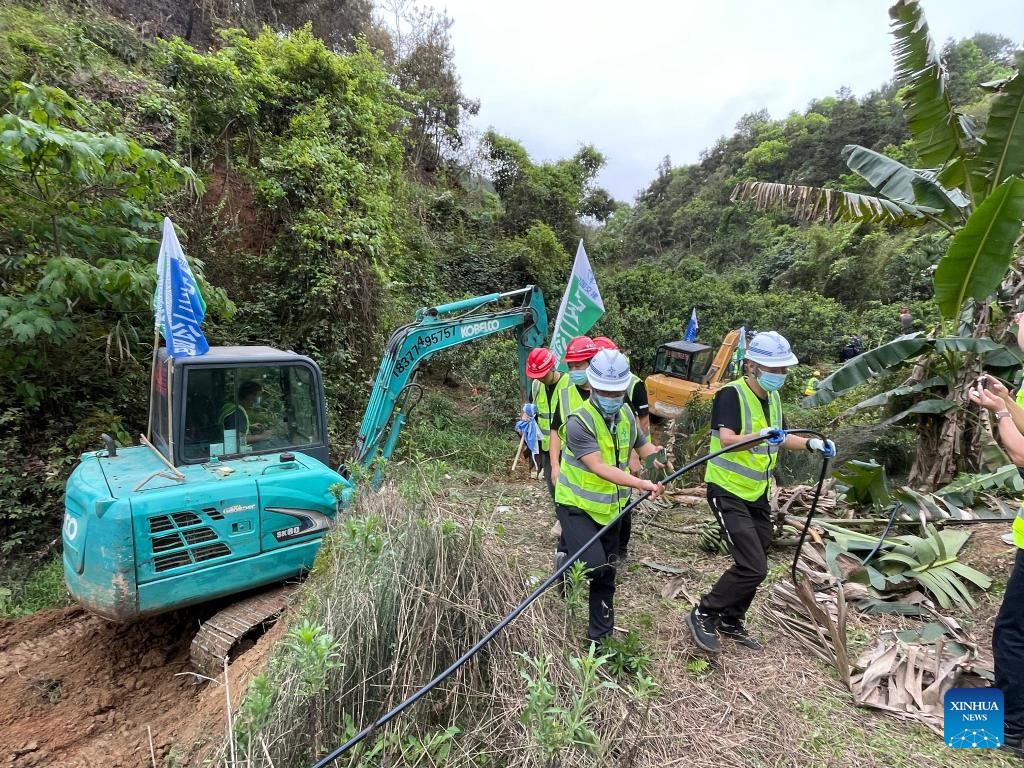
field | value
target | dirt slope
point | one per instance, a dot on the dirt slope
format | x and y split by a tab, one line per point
81	691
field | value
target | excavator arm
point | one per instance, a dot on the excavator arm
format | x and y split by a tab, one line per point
395	391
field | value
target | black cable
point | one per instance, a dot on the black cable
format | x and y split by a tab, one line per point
885	532
814	502
518	610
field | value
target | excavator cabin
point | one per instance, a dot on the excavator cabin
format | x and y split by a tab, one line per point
684	370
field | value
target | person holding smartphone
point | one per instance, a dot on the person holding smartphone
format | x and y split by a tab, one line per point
1008	630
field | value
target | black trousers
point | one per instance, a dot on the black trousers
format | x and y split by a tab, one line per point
625	531
577	528
1008	650
545	463
748	531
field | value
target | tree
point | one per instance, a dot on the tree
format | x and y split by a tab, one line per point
423	62
975	194
77	209
556	193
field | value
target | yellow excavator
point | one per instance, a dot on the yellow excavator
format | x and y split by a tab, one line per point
684	370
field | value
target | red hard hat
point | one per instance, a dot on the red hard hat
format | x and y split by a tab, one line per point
539	362
603	342
580	349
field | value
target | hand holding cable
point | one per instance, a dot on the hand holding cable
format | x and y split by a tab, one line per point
825	447
773	435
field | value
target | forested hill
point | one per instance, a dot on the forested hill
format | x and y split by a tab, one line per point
324	187
683	243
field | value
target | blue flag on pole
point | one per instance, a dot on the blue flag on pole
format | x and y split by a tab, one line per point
691	327
178	305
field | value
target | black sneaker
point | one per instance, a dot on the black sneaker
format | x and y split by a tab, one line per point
736	632
702	627
560	582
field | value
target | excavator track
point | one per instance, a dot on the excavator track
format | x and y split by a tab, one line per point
220	635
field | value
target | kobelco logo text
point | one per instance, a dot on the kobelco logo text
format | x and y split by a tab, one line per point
481	327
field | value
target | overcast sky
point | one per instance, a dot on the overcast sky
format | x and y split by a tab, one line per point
644	79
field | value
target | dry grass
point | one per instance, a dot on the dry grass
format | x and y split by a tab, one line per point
397	594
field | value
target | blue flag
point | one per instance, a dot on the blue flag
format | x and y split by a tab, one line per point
691	327
178	305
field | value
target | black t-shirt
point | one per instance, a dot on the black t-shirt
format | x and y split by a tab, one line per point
557	417
638	402
725	410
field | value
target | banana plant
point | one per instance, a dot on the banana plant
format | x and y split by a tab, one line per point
928	561
973	189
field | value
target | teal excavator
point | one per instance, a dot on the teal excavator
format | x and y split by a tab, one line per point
231	493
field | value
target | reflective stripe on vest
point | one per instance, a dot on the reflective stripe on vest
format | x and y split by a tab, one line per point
578	486
544	412
1018	528
569	400
229	410
747	473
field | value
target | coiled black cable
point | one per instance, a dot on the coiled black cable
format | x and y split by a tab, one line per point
454	667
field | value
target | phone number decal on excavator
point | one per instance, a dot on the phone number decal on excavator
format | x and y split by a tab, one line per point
423	343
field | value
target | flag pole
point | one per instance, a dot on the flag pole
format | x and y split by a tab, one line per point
152	383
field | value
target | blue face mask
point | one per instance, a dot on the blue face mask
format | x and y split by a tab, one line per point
578	377
257	401
609	406
771	382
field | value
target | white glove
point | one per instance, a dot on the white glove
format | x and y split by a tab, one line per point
825	447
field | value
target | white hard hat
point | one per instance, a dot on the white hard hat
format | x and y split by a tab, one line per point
771	349
609	371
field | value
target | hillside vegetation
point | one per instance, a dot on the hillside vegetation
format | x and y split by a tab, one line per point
323	192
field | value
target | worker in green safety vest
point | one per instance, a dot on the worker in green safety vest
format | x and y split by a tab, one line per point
812	384
571	392
595	483
541	368
1008	630
636	399
739	486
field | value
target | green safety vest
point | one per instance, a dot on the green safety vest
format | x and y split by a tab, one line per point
1018	528
545	410
569	400
578	486
811	386
229	409
747	473
1020	396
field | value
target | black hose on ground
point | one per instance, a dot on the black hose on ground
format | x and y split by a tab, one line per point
454	667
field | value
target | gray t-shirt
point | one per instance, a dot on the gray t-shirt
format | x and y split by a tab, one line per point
581	442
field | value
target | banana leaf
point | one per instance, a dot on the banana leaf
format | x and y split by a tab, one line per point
818	203
974	576
932	407
863	482
938	130
887	397
868	365
980	252
1002	154
965	344
963	487
895	181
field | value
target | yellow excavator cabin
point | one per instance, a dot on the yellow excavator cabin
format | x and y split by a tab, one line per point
684	370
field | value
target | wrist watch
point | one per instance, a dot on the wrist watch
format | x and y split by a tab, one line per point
1000	415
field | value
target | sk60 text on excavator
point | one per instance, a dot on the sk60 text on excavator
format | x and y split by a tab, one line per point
233	492
684	370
